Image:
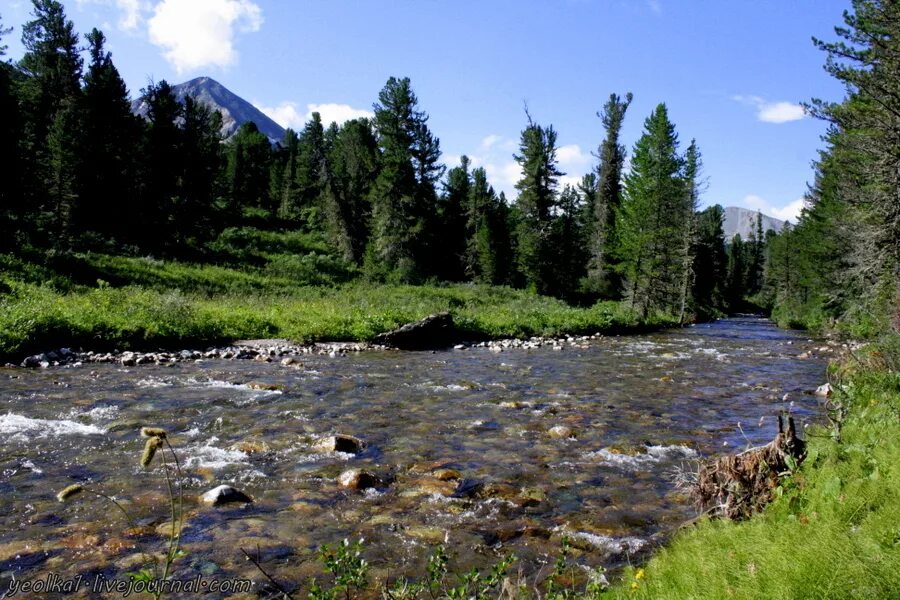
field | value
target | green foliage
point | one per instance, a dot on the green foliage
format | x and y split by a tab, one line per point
536	202
654	225
605	201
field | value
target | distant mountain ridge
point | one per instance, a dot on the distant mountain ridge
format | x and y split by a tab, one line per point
743	221
235	110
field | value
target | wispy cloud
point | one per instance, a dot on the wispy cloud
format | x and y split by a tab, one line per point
288	114
200	33
789	211
772	112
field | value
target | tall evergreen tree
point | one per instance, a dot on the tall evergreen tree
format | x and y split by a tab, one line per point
160	168
249	156
284	175
456	229
710	265
652	221
568	243
352	166
602	274
49	96
404	196
10	151
737	273
310	171
195	215
687	249
537	201
106	178
487	237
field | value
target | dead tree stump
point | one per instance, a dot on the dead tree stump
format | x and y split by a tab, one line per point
739	485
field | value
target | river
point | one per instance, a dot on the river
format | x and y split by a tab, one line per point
638	409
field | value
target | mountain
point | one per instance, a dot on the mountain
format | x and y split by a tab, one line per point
743	221
235	110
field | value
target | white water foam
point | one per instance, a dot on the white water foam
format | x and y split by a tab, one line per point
99	413
20	428
212	457
654	454
611	546
153	382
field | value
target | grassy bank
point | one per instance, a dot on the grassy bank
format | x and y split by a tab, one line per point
100	302
832	533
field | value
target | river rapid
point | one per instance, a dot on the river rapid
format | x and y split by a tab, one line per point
489	452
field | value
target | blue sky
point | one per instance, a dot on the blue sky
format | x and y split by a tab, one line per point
731	73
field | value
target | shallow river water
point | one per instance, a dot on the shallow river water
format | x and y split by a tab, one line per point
639	408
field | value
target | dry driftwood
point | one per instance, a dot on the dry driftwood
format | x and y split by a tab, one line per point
736	486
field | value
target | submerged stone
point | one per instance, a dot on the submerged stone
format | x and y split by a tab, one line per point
340	443
224	494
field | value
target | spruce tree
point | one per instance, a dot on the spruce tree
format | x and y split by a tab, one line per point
536	203
249	156
196	216
710	263
404	197
456	230
11	129
651	224
310	172
106	177
602	273
49	96
351	168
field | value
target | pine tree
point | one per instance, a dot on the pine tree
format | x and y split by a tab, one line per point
652	221
710	264
249	157
149	221
404	197
568	244
457	229
310	172
106	177
10	152
196	214
284	188
602	274
687	249
485	231
536	203
49	96
737	274
351	168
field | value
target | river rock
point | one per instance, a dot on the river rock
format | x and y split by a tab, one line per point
824	390
340	443
357	479
224	494
432	332
561	432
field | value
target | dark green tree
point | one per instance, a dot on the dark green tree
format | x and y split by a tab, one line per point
404	196
284	188
49	96
457	230
536	203
352	167
107	173
569	244
737	274
196	214
249	157
651	222
603	275
710	266
11	129
310	172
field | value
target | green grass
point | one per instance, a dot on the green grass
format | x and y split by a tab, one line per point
148	303
833	532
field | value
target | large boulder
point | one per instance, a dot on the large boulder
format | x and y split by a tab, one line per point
432	332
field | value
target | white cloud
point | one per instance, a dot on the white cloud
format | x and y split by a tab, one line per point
572	158
337	113
781	112
773	112
200	33
786	212
287	114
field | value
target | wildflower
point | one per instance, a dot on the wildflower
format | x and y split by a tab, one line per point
634	585
72	490
639	574
150	448
153	432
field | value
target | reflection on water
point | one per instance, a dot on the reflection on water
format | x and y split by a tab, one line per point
463	437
